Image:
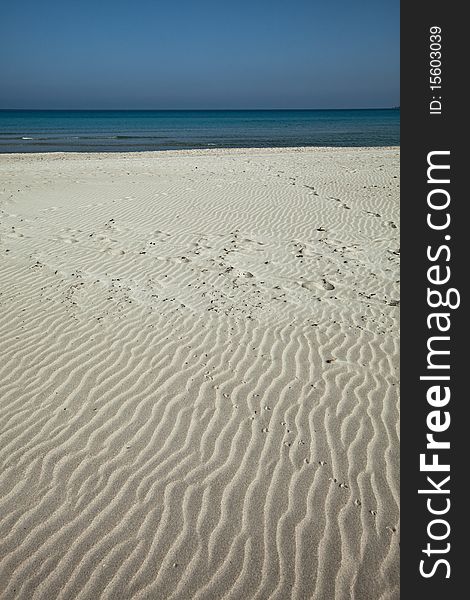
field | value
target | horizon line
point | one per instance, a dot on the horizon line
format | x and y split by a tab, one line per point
200	109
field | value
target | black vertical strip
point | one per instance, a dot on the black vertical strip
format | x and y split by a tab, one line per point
423	132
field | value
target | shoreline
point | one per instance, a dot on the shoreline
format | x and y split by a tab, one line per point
200	151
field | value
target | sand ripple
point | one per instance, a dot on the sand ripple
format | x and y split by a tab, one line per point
199	375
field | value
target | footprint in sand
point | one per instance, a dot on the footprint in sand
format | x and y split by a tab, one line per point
327	285
313	285
15	234
310	285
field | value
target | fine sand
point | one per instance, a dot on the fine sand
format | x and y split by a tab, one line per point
199	375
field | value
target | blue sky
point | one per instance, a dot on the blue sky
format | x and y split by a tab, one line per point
199	54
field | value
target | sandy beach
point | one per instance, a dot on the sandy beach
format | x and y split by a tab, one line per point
199	375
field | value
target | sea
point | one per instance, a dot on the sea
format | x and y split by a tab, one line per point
137	130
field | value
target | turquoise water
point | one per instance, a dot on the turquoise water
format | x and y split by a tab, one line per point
127	130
